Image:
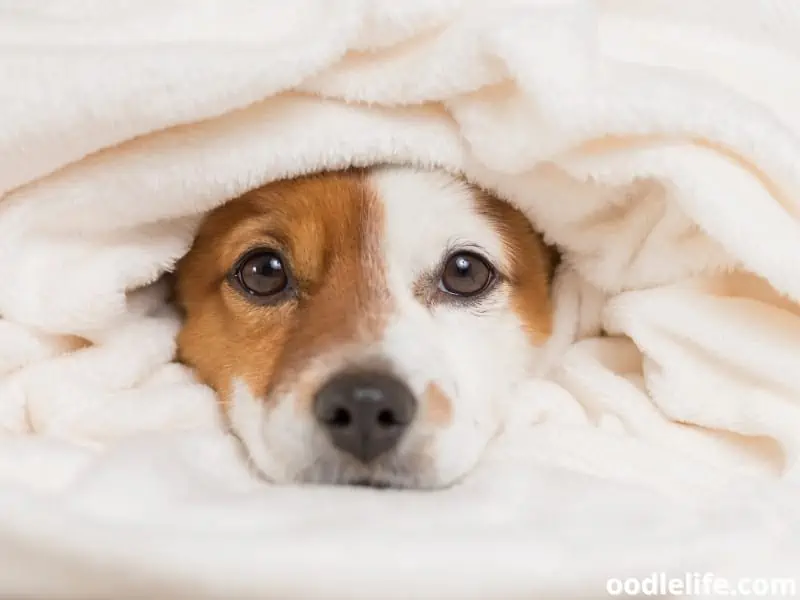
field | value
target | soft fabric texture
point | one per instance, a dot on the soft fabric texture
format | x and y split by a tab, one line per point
657	143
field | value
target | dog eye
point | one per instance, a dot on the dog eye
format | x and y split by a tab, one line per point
262	273
466	274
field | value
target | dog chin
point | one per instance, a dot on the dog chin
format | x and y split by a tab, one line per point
376	483
386	475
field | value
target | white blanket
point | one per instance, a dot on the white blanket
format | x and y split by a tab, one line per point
657	143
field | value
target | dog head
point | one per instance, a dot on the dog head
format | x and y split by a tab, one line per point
365	326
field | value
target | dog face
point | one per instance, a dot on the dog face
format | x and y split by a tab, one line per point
365	326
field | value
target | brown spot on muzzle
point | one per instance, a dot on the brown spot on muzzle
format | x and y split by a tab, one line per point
438	406
328	227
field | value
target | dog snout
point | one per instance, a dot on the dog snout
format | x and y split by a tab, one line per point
365	413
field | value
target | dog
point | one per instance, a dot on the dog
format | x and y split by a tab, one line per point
365	326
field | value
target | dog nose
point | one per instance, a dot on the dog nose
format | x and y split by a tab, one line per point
365	413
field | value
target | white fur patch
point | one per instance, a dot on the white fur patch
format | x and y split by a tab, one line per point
476	357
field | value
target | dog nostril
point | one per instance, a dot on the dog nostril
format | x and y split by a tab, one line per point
386	418
340	418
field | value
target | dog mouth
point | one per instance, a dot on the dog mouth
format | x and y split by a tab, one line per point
380	480
391	473
376	484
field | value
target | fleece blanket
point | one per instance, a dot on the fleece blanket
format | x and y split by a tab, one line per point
656	143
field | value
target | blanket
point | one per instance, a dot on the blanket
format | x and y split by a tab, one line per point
657	144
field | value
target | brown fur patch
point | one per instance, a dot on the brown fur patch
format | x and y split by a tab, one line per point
531	265
327	227
438	406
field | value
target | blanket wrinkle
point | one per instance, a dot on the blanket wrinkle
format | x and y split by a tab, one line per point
656	144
